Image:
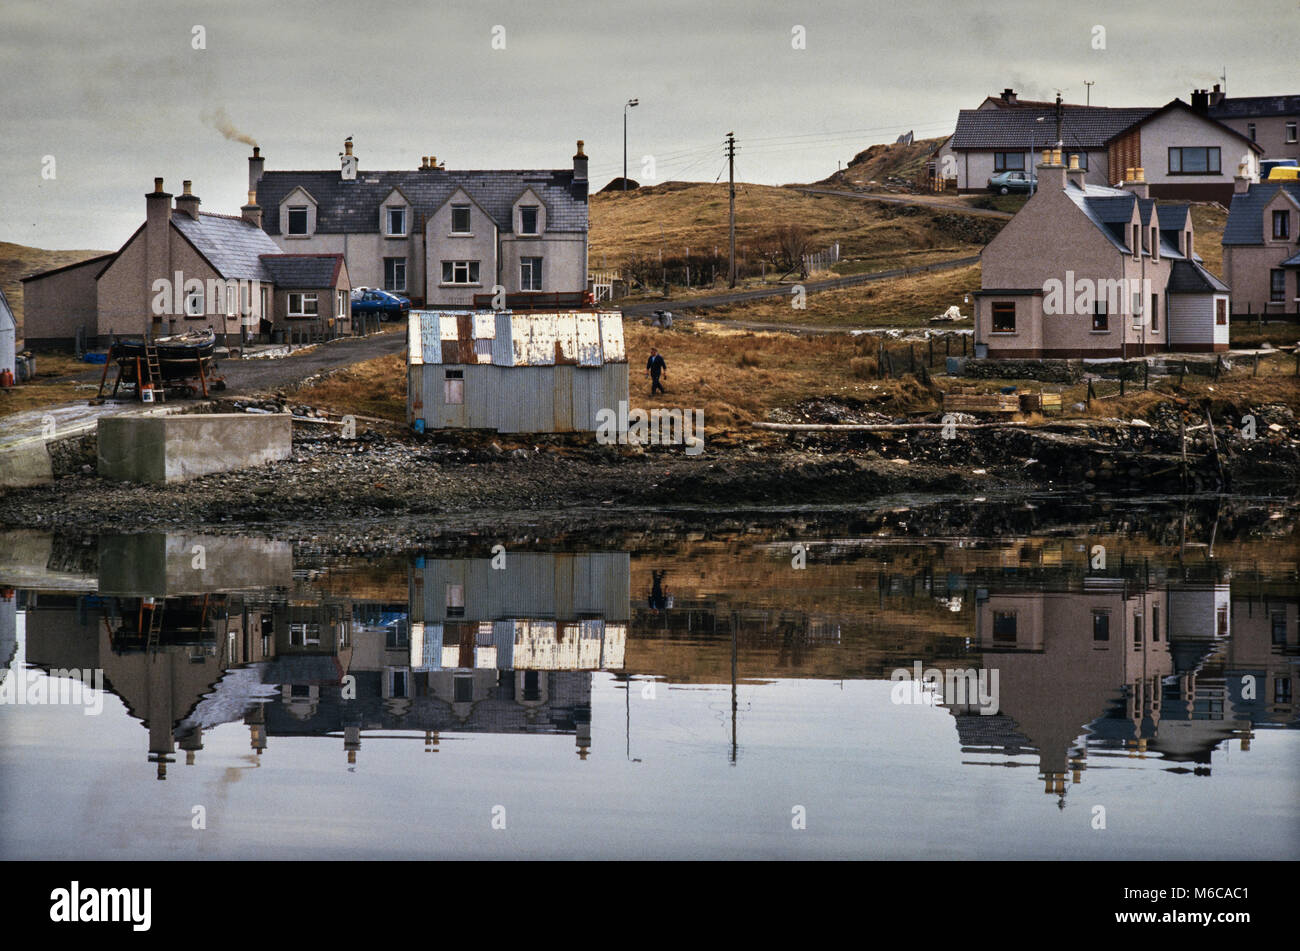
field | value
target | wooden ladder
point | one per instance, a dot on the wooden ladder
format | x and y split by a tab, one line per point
155	372
155	627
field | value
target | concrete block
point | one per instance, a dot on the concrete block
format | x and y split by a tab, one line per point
165	449
168	566
25	465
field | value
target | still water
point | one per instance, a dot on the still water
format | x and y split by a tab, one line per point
1093	694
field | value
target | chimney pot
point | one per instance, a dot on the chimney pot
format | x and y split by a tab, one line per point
157	184
252	198
1141	174
580	145
347	148
186	186
1128	174
1074	163
257	152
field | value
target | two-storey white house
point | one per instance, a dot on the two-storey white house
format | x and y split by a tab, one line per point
440	236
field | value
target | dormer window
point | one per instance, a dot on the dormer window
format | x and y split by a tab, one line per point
1281	225
298	220
1155	243
396	221
528	219
1137	241
460	219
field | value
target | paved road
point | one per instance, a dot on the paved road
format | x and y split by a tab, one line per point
906	200
242	376
812	287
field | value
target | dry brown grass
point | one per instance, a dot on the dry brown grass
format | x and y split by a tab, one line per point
1207	234
676	215
372	388
900	302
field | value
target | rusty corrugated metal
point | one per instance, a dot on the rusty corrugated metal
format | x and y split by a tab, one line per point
465	339
566	339
520	335
541	346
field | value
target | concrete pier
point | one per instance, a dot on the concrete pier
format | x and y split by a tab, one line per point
165	449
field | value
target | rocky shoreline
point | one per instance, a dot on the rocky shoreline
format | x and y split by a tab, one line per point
388	473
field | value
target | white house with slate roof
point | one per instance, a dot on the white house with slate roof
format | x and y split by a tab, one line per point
436	235
185	270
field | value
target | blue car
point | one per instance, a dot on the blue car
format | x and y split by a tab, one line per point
387	306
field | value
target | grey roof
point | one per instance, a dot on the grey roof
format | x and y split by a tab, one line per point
353	206
1111	209
1082	127
231	245
1246	215
1172	217
1292	261
1188	277
1249	107
303	270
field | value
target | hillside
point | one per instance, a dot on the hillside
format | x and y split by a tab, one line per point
671	217
880	163
18	261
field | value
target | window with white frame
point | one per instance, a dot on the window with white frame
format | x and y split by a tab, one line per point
395	218
303	305
460	272
342	301
528	219
395	274
297	219
460	219
194	302
1290	132
530	274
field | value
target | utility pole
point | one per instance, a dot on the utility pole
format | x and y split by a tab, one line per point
631	103
1089	83
731	223
1060	114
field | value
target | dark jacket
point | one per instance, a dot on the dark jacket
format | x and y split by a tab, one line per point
655	365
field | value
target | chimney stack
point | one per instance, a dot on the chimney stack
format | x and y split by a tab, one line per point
1200	101
1216	95
1135	181
251	212
1051	173
188	202
157	241
1074	174
255	166
1009	96
580	165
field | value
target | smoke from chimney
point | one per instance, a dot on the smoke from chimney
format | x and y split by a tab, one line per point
221	121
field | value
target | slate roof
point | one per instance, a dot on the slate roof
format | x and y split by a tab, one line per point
1249	107
353	206
1246	215
1082	127
1188	277
1111	210
231	245
303	270
1292	261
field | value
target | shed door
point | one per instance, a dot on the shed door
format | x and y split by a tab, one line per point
563	399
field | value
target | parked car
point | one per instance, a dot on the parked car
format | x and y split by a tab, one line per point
1006	182
1267	165
385	305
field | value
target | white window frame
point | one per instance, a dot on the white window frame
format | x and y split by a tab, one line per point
194	306
303	299
389	211
458	267
342	298
534	268
1291	136
306	221
469	231
395	289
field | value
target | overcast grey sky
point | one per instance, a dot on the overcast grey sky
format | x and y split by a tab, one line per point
117	94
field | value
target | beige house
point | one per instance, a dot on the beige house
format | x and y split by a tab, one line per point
1272	122
440	236
1087	271
1261	247
183	270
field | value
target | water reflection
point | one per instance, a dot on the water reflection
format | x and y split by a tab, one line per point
1158	661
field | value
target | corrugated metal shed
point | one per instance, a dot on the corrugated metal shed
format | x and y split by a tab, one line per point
507	339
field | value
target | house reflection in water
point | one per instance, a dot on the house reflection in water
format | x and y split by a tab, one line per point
247	638
1143	669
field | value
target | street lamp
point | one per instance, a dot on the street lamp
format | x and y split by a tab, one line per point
628	105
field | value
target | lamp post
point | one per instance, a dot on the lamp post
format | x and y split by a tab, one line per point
1033	173
626	106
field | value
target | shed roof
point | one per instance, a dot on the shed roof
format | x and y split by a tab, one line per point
352	206
1188	277
508	339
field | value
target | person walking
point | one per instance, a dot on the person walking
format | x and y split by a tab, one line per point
654	368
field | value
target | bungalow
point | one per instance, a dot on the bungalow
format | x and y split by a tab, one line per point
1087	270
1188	154
440	236
1261	246
184	270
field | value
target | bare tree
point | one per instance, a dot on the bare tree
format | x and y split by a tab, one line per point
785	248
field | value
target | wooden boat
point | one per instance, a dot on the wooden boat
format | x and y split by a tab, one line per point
179	355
